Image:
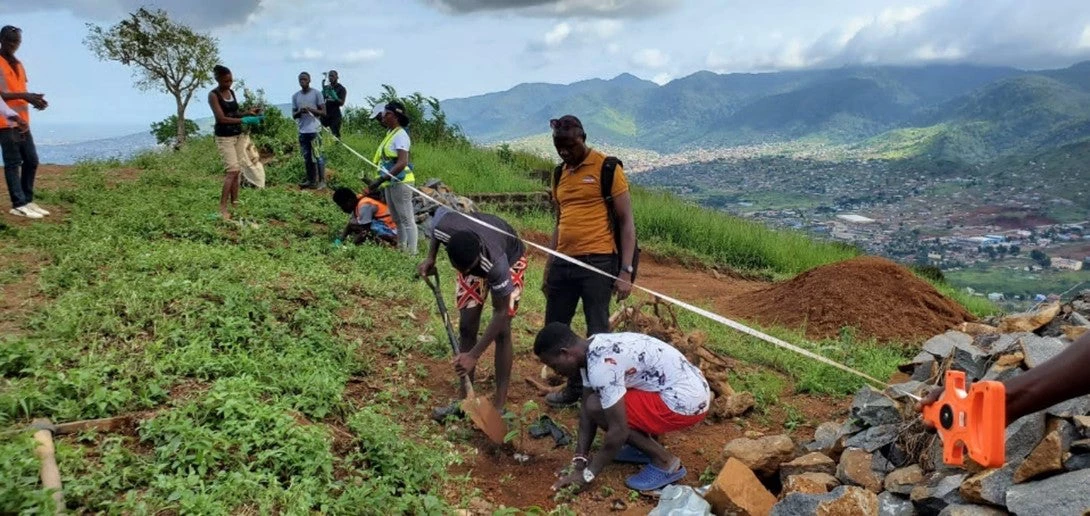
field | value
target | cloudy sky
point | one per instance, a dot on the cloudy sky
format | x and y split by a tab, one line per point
454	48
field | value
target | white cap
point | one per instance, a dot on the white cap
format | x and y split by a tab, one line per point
378	110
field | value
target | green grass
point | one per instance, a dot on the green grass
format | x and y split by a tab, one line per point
147	292
241	338
1011	282
663	220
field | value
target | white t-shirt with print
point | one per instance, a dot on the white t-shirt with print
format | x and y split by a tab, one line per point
617	362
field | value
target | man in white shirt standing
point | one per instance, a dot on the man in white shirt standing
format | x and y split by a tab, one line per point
308	108
636	388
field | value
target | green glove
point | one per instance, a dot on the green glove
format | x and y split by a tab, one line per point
337	243
331	94
252	119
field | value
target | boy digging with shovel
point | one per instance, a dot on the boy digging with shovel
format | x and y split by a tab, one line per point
486	260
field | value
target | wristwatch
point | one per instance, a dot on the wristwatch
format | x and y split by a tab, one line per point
588	475
628	268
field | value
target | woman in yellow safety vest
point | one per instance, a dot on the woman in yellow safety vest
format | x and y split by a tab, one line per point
397	176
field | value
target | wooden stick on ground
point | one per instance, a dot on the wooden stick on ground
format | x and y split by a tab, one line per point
50	473
541	388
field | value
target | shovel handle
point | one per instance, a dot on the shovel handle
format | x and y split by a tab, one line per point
443	311
434	285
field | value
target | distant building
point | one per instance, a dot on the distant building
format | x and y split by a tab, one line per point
1065	264
934	258
857	219
996	296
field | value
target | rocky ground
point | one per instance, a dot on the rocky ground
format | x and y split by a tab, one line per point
884	461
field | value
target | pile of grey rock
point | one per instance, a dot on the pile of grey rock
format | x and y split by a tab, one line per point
884	461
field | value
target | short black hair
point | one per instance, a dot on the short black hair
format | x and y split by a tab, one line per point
554	337
568	125
344	197
220	70
8	31
304	73
398	110
463	248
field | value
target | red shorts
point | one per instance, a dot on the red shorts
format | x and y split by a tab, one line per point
648	413
471	291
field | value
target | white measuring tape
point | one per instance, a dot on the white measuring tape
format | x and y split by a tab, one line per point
695	309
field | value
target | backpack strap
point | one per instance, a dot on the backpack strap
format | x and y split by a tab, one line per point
609	169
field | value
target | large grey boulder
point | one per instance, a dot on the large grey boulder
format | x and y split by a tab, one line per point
1023	436
943	345
1039	350
971	359
890	504
874	408
873	438
940	491
842	500
1064	494
989	486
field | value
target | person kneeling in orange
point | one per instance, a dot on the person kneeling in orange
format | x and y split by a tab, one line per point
636	388
368	217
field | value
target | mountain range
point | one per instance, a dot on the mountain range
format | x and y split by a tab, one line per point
953	112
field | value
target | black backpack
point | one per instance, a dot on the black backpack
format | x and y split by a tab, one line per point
609	168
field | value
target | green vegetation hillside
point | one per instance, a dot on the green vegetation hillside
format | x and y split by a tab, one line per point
949	112
267	371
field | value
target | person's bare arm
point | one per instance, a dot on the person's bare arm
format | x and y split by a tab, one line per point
622	206
1062	378
615	438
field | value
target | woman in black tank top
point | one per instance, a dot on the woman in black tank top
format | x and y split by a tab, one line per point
230	139
230	110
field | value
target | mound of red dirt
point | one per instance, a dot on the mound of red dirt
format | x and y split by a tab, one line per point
877	297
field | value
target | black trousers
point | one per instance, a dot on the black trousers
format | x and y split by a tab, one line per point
20	165
568	284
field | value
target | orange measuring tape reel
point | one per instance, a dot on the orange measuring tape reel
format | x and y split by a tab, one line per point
973	420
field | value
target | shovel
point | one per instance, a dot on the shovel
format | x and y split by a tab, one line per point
479	408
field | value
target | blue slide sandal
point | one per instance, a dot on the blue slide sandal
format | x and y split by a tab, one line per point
651	478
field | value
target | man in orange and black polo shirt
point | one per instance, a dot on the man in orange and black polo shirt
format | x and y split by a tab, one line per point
16	143
584	230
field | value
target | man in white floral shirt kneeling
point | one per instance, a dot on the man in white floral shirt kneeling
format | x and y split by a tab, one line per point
636	388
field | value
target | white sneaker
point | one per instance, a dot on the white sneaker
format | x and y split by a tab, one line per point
41	211
23	211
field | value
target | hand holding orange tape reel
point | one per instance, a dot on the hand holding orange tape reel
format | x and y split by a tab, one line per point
970	420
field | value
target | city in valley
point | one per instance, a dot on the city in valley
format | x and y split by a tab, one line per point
1008	234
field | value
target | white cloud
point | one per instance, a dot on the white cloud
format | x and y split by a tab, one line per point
662	78
286	35
614	48
1000	32
363	55
575	34
307	54
606	29
652	58
201	14
561	8
557	35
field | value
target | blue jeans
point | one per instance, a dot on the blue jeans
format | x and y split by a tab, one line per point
20	165
306	144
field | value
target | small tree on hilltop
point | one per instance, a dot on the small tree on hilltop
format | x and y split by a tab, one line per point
168	56
166	130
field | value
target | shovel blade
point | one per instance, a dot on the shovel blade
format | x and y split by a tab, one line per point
485	416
